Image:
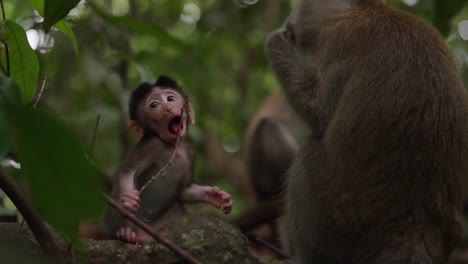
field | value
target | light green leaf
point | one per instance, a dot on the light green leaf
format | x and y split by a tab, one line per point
64	186
65	29
38	5
24	65
56	10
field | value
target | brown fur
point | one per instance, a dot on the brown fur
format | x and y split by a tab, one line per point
381	178
160	203
146	160
271	144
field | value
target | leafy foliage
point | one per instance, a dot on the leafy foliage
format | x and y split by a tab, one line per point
444	12
65	187
65	28
56	10
23	62
9	94
60	25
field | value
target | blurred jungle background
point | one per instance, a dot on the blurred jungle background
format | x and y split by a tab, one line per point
90	61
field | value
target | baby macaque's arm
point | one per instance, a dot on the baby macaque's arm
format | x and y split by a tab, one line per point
207	194
140	158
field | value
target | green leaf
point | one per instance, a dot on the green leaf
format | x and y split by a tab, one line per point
56	10
443	13
38	5
65	187
9	93
138	26
61	25
24	65
10	90
65	29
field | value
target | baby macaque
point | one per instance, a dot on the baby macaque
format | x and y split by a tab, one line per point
156	177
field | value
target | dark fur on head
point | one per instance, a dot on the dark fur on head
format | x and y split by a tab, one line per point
137	95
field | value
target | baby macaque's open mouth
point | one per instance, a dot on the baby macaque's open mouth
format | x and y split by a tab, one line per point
175	125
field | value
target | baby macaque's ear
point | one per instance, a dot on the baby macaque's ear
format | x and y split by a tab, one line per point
135	129
191	114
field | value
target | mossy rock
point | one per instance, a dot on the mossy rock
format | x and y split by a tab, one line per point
208	239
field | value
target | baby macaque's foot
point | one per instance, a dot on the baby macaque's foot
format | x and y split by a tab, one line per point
131	201
127	234
142	237
220	199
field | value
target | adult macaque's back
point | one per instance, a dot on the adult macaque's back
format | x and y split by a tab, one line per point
381	178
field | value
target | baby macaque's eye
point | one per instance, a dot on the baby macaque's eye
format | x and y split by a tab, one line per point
171	98
154	104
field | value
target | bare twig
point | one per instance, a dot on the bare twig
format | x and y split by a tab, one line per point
73	255
125	213
31	216
40	91
94	136
7	55
3	10
268	245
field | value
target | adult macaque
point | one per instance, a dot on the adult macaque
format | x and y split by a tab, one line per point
156	177
381	178
271	143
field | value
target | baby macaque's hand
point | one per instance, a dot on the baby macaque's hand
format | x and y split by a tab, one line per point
220	199
131	201
127	234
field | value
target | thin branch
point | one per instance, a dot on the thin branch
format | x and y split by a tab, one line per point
7	56
94	136
3	10
31	216
268	245
40	91
125	213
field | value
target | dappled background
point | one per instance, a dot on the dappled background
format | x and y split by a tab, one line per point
214	48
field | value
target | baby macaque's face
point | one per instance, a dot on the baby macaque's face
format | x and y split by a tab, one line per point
164	113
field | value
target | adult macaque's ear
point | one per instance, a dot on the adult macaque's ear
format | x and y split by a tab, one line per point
135	129
191	114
